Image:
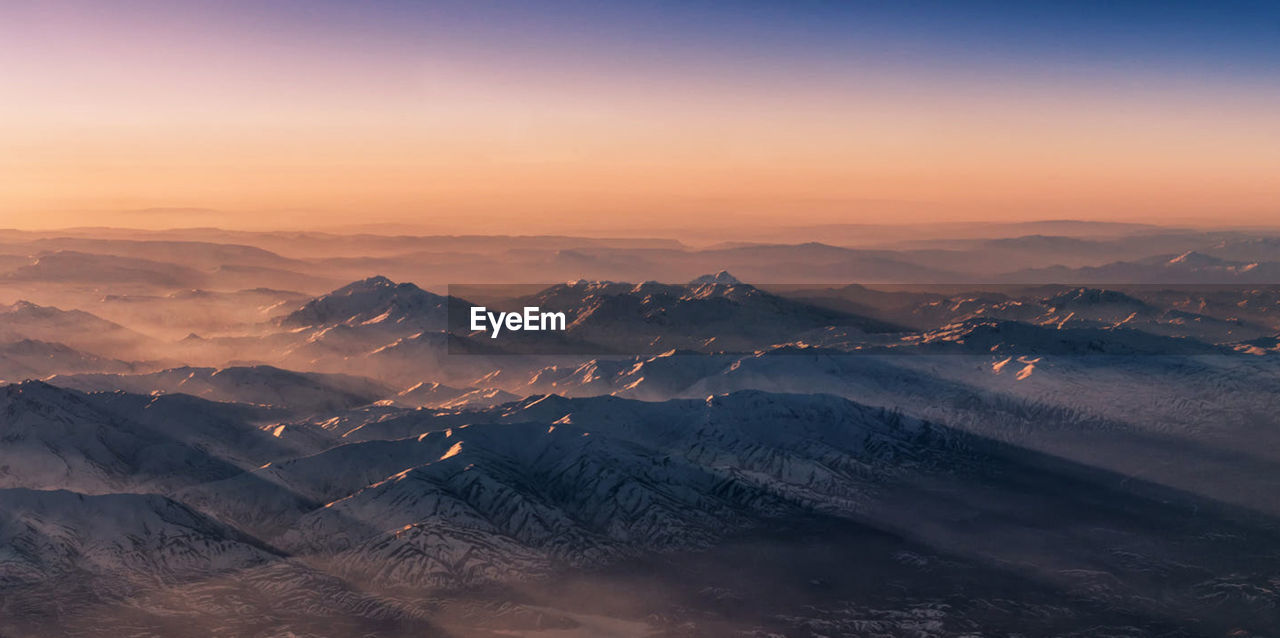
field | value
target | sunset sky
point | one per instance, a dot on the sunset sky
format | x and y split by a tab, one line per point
553	116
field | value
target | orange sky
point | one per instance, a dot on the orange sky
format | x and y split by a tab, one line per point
99	125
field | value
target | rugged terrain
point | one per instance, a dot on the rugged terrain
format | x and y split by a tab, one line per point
231	437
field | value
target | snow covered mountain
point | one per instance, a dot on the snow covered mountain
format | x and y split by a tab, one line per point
57	534
722	277
551	481
718	314
377	302
993	336
740	460
1238	312
413	503
95	443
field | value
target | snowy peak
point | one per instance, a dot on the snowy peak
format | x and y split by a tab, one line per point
373	301
376	282
722	277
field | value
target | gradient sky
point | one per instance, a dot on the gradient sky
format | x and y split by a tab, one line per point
555	116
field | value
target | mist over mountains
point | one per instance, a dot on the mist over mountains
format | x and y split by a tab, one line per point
1044	429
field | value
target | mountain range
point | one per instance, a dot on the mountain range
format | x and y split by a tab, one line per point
1068	431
